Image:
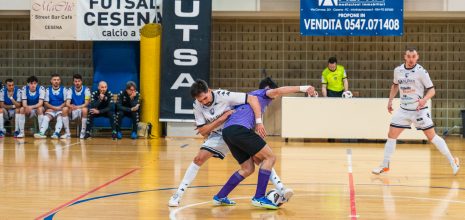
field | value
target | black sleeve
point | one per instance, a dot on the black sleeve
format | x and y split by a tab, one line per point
120	104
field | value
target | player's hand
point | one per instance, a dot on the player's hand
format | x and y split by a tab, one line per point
311	91
132	95
135	108
27	110
389	107
260	129
421	104
94	111
203	131
226	114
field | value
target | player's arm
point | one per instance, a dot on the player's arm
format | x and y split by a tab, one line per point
86	99
120	105
275	93
255	105
108	103
324	83
346	84
48	106
206	129
392	94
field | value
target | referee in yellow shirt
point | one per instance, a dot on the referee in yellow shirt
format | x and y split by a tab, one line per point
334	79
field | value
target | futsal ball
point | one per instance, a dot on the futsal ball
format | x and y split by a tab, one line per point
347	94
274	196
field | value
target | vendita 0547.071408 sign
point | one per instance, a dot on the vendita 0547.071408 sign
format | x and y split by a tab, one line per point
351	17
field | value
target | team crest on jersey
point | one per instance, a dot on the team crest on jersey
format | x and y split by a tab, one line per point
406	74
212	111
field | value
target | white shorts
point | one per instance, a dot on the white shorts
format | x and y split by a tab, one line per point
420	119
54	114
216	145
76	114
9	114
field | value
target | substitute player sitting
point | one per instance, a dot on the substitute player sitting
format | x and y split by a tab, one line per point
77	100
33	96
413	81
10	103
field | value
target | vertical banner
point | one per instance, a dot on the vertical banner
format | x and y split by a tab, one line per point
185	55
53	20
117	20
351	17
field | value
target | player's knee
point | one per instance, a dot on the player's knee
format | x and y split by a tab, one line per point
40	111
65	111
199	160
84	111
21	110
247	171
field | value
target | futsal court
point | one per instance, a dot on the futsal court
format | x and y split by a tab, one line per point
103	179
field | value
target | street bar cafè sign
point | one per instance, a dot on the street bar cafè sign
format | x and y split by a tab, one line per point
110	20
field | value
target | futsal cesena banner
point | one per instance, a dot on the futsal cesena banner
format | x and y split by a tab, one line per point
96	20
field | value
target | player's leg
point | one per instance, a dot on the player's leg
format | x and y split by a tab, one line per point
90	119
2	122
112	116
21	122
189	176
214	146
59	124
425	123
65	115
400	121
247	168
48	116
40	115
17	116
119	116
135	119
84	113
285	192
268	159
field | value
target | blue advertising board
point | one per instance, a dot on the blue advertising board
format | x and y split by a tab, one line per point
351	17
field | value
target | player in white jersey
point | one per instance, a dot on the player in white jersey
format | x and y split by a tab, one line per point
33	96
416	88
211	109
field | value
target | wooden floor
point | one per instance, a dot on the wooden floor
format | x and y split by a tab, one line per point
105	179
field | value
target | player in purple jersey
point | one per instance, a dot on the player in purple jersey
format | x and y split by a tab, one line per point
247	146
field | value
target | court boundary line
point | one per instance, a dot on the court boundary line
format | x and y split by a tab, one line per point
50	217
85	194
353	209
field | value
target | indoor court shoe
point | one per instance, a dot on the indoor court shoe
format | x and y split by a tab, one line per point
223	201
20	135
55	135
263	203
87	136
134	135
119	135
39	135
380	169
113	135
456	165
65	136
174	200
82	135
15	135
2	134
287	194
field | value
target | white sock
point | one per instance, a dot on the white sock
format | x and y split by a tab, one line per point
2	123
40	118
16	122
22	121
189	176
66	124
44	124
442	147
59	124
389	149
274	178
83	124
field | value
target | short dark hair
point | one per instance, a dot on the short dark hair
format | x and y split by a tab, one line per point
77	76
32	79
198	87
411	49
8	80
267	82
130	84
332	60
55	75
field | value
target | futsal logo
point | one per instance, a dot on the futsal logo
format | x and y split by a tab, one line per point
328	2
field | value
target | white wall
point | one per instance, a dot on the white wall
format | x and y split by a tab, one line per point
15	5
